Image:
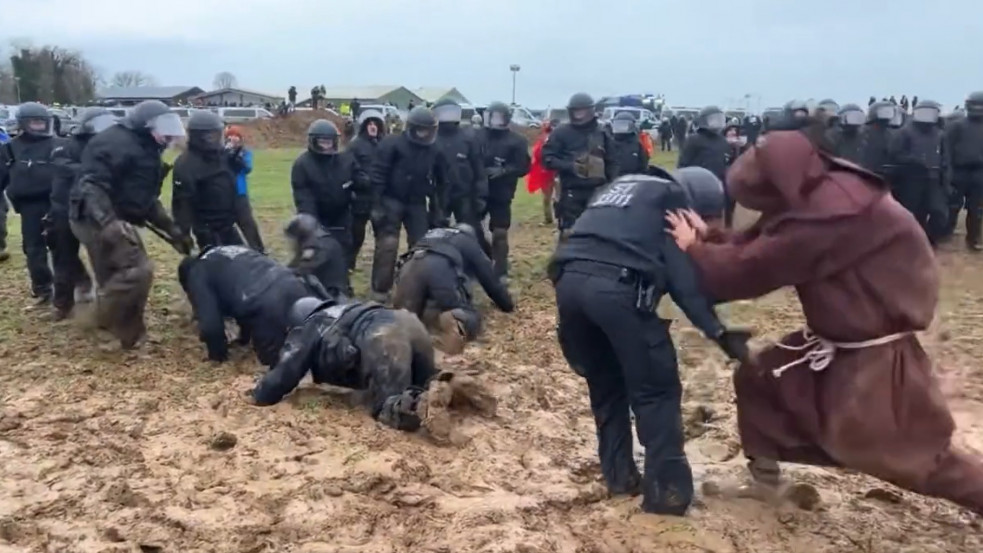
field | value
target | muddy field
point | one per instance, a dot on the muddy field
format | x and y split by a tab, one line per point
155	451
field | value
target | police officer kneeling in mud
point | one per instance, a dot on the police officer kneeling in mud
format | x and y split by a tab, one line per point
240	283
386	353
609	276
433	282
319	253
204	199
119	186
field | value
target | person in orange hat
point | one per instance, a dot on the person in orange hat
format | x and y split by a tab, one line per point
242	160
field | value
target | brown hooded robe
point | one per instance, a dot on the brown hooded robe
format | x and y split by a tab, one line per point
863	269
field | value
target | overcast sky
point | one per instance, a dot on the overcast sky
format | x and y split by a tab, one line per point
696	52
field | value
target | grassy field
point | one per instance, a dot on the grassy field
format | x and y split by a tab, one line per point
105	451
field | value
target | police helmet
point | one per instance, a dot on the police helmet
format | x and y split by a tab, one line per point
974	104
703	189
711	118
581	109
498	115
302	309
301	226
156	118
829	106
205	131
881	111
34	119
477	120
466	228
851	115
421	126
94	120
927	111
624	123
447	110
322	137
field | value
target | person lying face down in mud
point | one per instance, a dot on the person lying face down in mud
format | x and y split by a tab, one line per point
433	282
854	388
240	283
385	353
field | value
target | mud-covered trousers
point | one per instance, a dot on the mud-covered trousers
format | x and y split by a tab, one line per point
464	211
123	273
35	247
430	285
3	221
629	361
967	192
390	217
69	272
247	223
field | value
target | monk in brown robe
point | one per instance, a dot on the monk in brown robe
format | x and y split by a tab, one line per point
855	388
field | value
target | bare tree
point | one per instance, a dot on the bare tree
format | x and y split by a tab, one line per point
224	80
132	78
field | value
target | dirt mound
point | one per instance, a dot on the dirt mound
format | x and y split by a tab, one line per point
285	132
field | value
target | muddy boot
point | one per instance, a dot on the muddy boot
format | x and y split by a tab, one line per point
42	299
384	265
4	255
84	292
450	334
547	209
500	252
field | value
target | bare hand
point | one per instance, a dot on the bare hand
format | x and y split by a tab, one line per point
681	229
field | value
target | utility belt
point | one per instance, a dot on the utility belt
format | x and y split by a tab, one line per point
419	253
646	292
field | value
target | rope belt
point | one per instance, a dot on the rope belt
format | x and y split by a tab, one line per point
818	352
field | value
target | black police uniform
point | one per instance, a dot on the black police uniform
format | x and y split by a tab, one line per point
609	276
965	139
204	196
362	346
469	193
707	149
69	273
119	185
848	143
751	128
26	174
240	283
321	255
322	187
506	160
919	156
365	149
566	151
630	155
407	178
876	153
665	135
434	277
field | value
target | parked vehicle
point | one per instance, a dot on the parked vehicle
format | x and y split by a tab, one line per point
242	115
522	117
645	118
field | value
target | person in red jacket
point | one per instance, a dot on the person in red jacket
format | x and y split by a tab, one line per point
539	177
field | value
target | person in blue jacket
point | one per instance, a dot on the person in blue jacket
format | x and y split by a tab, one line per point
242	159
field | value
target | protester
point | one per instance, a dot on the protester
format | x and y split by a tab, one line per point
241	159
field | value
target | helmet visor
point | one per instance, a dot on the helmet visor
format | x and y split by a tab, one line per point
884	112
37	125
100	123
622	126
925	115
856	118
497	120
716	121
581	115
423	135
167	125
325	144
448	114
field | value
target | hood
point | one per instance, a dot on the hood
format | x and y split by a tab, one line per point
371	115
787	176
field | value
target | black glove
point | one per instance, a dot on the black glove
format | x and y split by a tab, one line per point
480	207
734	343
181	241
399	411
495	172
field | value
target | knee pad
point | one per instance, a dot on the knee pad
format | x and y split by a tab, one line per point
500	234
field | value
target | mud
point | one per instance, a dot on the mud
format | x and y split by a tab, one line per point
156	450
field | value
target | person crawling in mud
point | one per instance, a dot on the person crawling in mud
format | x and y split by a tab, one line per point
385	353
433	282
318	252
853	388
240	283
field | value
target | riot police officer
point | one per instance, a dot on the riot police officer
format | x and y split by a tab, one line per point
847	138
317	252
921	183
468	199
322	178
71	277
409	181
583	155
506	160
26	174
609	276
828	111
119	186
876	155
632	159
365	146
965	138
707	147
204	197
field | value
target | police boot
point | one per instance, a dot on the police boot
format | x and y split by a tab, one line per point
4	255
384	266
668	490
500	252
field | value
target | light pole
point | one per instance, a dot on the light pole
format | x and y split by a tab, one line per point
17	87
514	68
